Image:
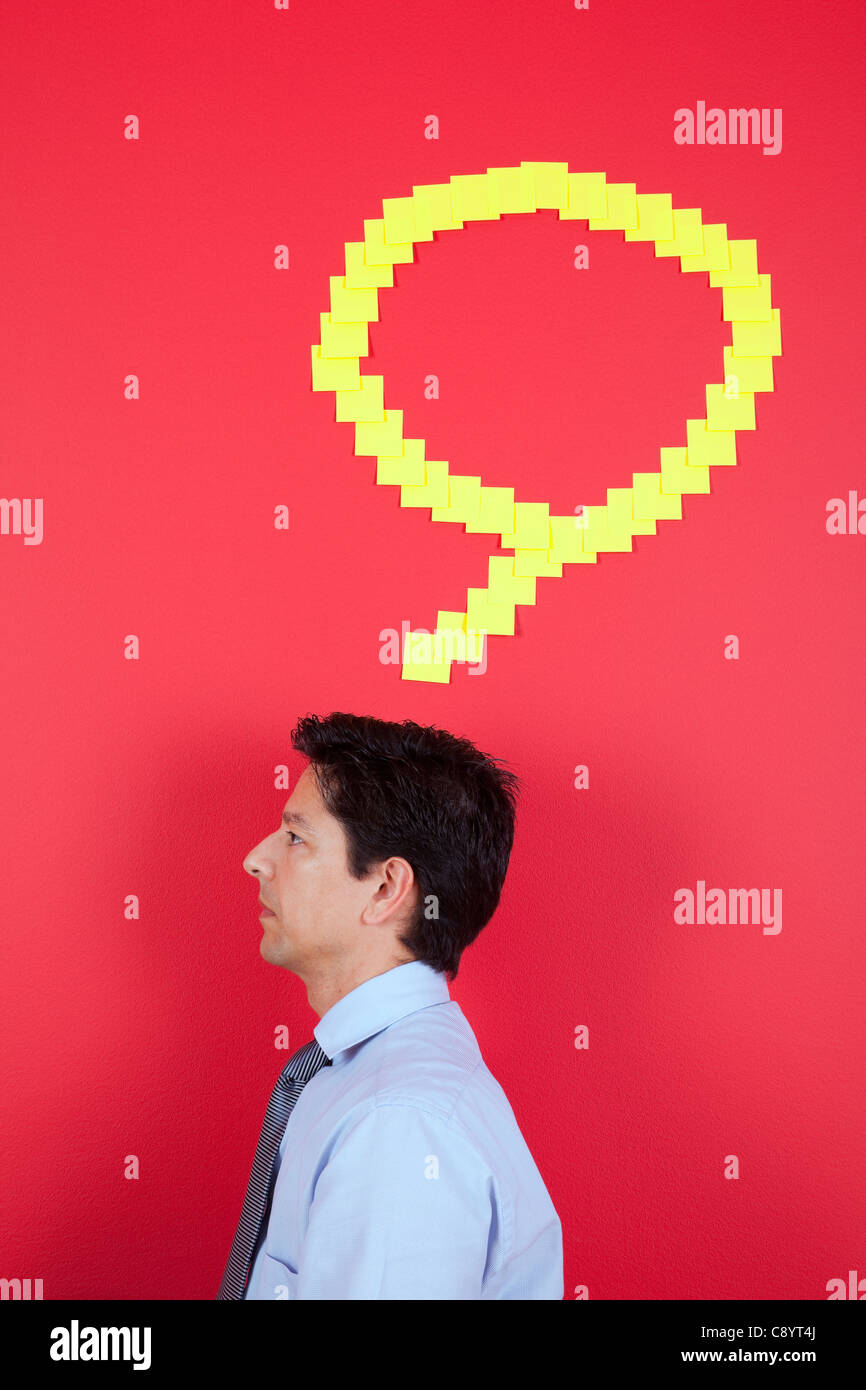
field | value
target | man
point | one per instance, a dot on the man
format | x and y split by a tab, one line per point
390	1164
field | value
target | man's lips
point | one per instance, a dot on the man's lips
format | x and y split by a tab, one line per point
266	911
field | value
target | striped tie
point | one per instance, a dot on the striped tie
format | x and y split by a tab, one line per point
291	1081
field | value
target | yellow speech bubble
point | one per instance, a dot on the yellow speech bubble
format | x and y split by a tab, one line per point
540	543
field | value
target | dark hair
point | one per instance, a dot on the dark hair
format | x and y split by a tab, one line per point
429	797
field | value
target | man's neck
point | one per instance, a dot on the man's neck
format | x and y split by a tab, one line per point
323	991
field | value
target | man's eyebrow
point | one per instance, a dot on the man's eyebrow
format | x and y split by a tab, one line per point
295	818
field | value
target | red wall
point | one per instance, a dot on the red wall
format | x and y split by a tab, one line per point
154	777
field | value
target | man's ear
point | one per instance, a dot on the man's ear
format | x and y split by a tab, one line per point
395	892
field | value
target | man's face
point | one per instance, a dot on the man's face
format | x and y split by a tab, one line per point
304	879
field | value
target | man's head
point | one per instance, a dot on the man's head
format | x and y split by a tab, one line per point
394	847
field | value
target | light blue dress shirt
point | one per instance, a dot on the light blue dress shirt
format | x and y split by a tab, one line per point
402	1172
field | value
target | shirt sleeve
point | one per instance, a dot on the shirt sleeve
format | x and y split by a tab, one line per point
405	1208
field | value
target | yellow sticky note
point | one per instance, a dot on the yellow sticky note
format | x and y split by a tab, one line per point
456	643
376	252
748	373
621	209
511	190
484	615
464	500
469	200
434	492
406	468
708	448
398	215
536	564
359	275
618	536
366	404
758	339
433	208
420	661
730	412
750	305
532	525
654	218
344	339
716	254
551	183
350	306
743	269
587	197
504	586
381	436
496	510
594	525
680	475
621	516
688	238
448	621
334	373
567	541
651	502
600	536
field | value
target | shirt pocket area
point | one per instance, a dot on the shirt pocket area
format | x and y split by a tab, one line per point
276	1280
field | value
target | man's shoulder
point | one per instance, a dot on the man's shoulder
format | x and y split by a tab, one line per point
431	1059
423	1080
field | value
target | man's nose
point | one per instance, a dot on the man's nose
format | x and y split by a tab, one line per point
256	861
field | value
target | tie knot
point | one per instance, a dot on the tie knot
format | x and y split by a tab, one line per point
305	1063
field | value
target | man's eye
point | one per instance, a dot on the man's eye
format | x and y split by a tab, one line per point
294	836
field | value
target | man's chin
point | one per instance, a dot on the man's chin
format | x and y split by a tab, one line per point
275	953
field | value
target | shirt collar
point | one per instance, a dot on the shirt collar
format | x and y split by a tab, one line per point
379	1002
